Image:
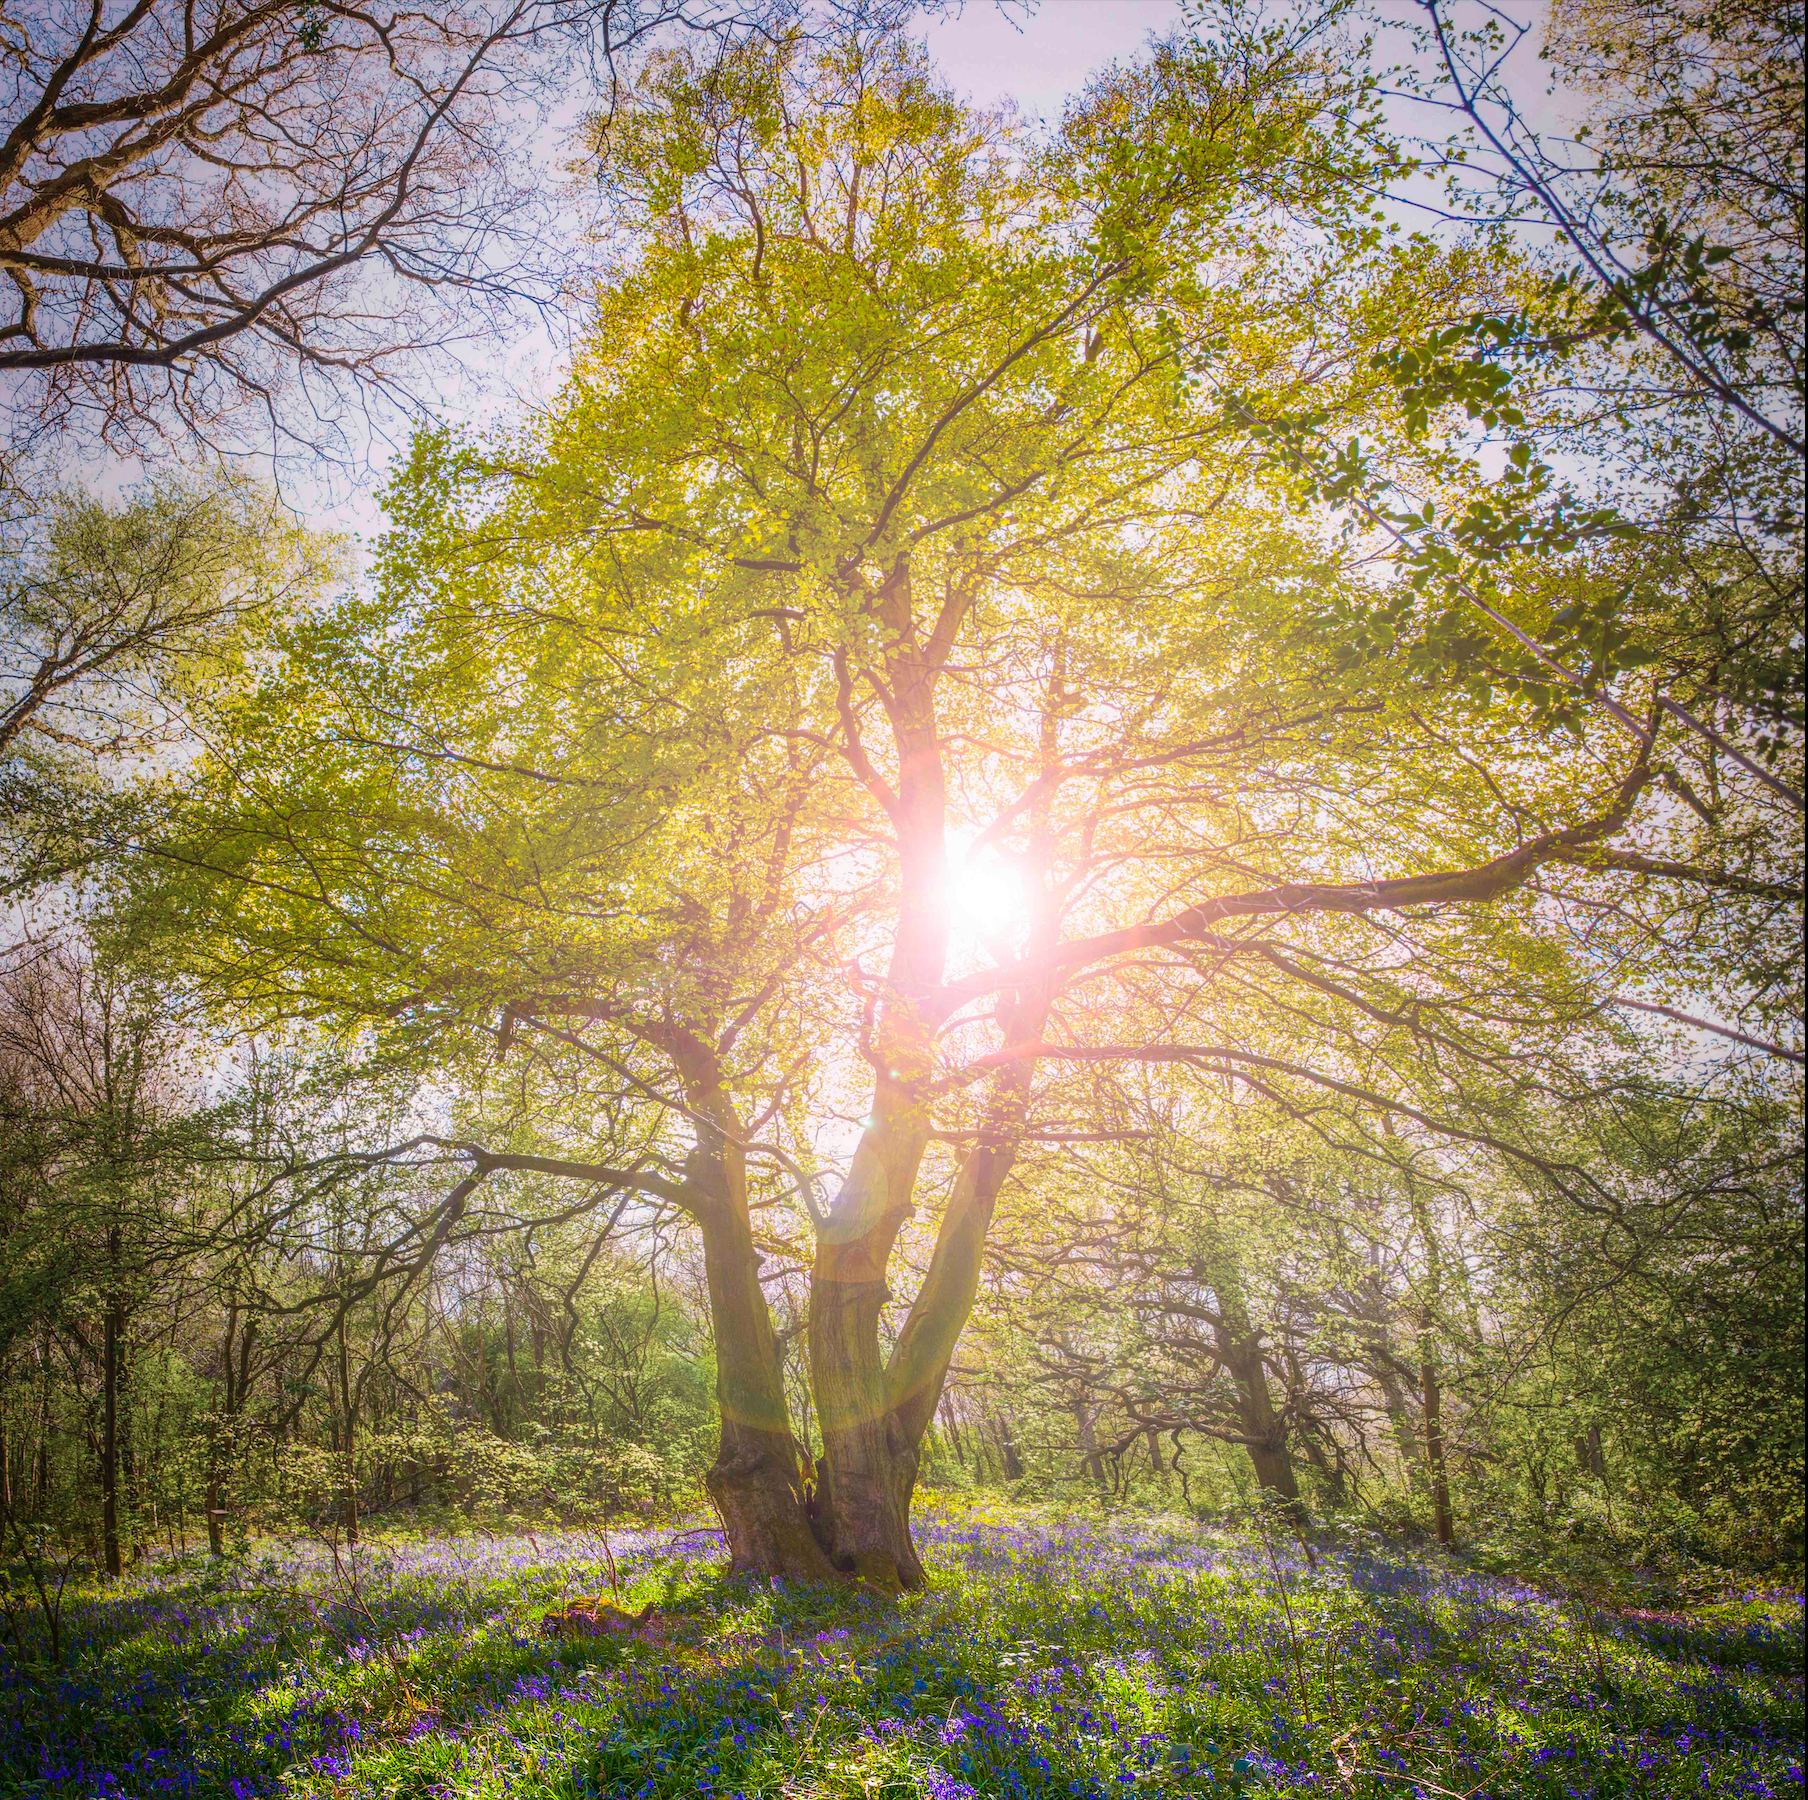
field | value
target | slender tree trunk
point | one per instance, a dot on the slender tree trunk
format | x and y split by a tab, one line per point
1591	1454
1434	1455
348	1440
985	1454
130	1510
112	1330
954	1436
219	1434
43	1459
1089	1446
1430	1387
508	1344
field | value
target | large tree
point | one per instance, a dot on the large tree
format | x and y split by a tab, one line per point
881	683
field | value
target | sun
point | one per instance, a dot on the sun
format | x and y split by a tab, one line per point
986	896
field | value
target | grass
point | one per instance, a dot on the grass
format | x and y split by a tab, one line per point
1050	1657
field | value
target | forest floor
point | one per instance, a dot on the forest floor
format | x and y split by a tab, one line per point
1051	1656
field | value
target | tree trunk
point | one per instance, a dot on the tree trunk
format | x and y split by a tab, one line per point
1434	1455
112	1331
1089	1446
880	1413
1591	1455
1428	1375
1010	1459
1264	1431
1274	1471
757	1480
348	1442
954	1436
868	1466
130	1509
873	1414
221	1436
1239	1347
43	1460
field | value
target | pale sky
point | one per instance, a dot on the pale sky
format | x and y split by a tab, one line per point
1040	59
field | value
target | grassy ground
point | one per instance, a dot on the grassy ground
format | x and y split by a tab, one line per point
1050	1657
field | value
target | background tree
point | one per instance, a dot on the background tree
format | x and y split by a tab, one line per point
213	204
94	1113
1646	341
113	618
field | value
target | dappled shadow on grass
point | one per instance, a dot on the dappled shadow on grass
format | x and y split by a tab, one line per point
1762	1645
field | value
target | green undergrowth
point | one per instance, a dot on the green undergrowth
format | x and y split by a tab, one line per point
1050	1657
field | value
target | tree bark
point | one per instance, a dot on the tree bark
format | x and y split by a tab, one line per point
1430	1388
348	1444
112	1331
1009	1457
1264	1430
757	1481
954	1436
1274	1471
1434	1454
43	1457
872	1456
222	1435
873	1416
1089	1446
868	1467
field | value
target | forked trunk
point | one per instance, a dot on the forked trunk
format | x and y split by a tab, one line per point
758	1490
875	1414
868	1467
